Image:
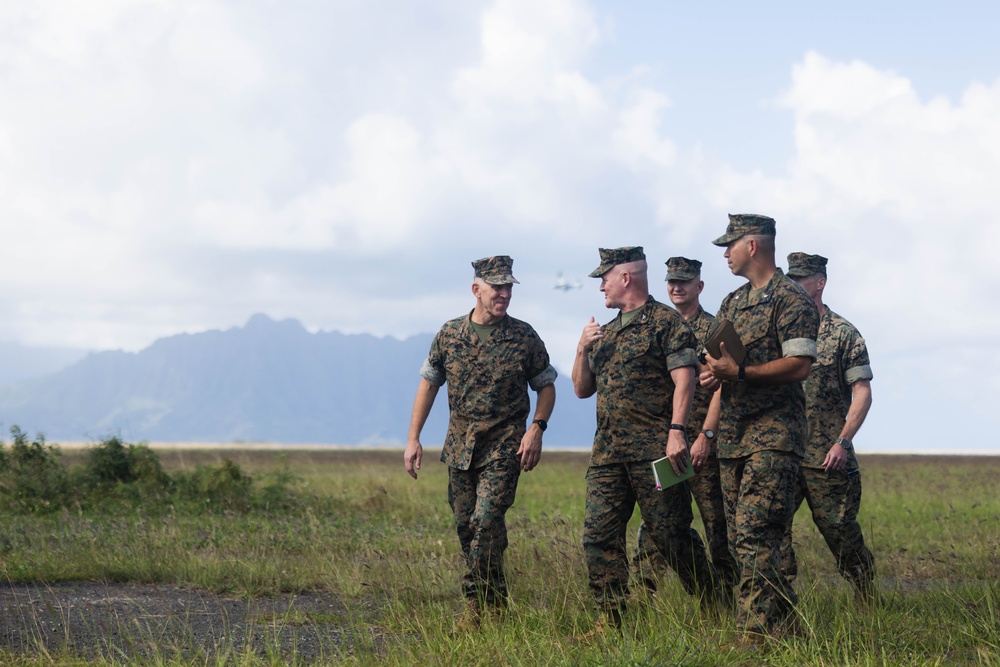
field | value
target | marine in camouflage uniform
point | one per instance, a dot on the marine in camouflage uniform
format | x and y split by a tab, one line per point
641	366
762	431
838	397
488	359
684	285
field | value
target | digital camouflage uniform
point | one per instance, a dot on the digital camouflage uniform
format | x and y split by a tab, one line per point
488	402
762	435
705	487
834	497
632	365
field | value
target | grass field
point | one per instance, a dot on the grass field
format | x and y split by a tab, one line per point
380	550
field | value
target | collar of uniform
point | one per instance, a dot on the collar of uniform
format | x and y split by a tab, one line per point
469	332
827	316
750	297
639	318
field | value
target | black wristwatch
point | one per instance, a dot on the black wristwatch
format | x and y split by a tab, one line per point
542	424
709	434
845	443
742	375
679	427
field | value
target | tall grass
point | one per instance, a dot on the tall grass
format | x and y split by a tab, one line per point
352	523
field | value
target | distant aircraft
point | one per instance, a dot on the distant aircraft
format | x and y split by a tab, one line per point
565	285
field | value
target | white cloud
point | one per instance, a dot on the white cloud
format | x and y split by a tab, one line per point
903	182
205	51
383	193
177	166
898	192
637	138
529	54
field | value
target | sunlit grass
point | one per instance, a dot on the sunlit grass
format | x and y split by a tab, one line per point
385	545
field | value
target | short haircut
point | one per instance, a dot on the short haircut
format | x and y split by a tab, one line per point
764	241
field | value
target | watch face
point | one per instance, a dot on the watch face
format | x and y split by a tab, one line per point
709	433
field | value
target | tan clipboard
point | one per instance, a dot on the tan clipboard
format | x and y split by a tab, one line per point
723	332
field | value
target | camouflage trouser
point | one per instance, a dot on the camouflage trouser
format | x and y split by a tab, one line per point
834	498
612	493
480	499
647	563
707	492
758	491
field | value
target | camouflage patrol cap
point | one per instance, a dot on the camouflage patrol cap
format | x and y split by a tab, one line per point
495	270
801	265
741	224
612	257
682	268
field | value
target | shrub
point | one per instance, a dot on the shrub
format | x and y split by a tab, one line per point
32	478
223	487
277	491
115	469
108	463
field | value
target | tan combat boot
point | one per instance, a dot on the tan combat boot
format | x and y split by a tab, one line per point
470	618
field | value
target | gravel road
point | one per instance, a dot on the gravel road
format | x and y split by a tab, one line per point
128	621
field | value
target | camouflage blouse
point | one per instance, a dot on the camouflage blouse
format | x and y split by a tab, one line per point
487	387
779	320
842	360
635	392
700	323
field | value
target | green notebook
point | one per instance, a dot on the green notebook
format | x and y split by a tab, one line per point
665	475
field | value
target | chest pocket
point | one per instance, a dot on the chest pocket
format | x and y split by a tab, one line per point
459	364
754	327
624	351
639	362
505	365
827	356
635	349
602	353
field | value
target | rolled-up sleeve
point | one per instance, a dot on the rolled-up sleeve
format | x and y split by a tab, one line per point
543	379
856	359
679	344
683	357
799	347
852	375
797	323
432	369
433	375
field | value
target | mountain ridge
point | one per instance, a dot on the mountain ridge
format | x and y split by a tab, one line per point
269	380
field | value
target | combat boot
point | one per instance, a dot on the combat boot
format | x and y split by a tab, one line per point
790	628
611	620
470	618
717	604
866	594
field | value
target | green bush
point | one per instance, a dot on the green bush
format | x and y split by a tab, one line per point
277	490
113	469
32	478
108	463
223	487
146	468
113	473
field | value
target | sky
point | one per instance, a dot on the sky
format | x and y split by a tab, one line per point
170	167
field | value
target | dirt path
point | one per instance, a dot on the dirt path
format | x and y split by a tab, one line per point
130	621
